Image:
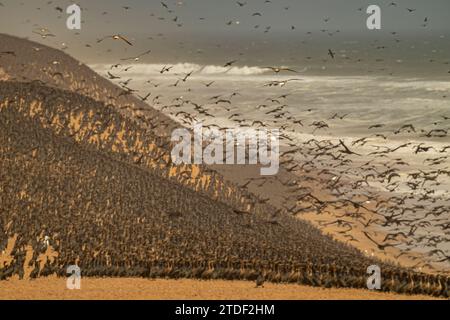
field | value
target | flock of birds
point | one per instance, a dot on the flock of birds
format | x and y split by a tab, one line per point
98	210
364	183
371	175
400	187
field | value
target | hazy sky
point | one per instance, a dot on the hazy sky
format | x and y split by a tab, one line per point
280	14
198	29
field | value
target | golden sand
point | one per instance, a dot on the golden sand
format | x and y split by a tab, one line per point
145	289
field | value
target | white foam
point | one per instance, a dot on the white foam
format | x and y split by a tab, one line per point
140	69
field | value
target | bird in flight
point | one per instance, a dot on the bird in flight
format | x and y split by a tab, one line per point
145	98
165	69
280	83
279	69
116	37
209	84
137	57
331	53
44	33
346	149
112	77
380	246
229	64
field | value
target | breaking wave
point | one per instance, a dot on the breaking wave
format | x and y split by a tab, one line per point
182	68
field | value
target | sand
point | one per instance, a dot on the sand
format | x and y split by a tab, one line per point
144	289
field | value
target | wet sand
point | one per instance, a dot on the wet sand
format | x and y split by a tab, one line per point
144	289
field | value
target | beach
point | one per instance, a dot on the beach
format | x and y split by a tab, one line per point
141	289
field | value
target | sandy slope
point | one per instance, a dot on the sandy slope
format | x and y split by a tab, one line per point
143	289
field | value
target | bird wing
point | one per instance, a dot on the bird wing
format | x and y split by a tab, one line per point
291	70
124	39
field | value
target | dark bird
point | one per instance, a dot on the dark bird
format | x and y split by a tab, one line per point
229	64
381	247
376	126
331	53
260	281
146	97
209	84
165	69
112	77
346	149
